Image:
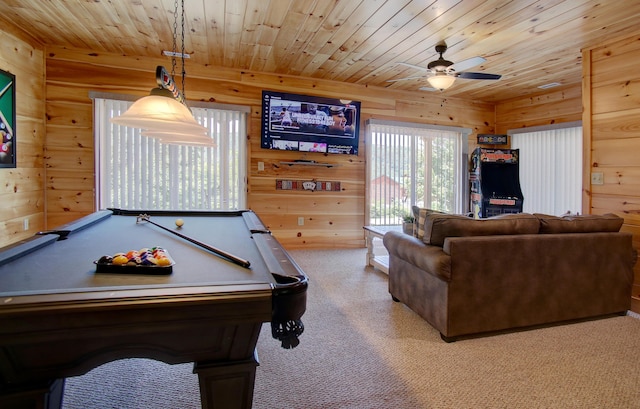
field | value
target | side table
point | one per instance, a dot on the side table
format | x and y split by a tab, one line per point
377	255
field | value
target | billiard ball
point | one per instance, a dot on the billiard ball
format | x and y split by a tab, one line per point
179	222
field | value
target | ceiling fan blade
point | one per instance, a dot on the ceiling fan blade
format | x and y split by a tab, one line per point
468	63
407	78
417	67
478	76
427	89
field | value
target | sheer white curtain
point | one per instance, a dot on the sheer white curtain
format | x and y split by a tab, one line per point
415	164
137	172
550	169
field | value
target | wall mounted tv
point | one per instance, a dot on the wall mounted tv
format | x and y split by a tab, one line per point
303	123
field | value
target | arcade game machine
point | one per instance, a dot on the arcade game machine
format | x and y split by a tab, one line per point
495	182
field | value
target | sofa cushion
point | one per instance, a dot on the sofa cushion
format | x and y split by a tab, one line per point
440	226
419	218
588	223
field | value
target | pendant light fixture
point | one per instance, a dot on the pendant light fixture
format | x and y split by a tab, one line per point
164	111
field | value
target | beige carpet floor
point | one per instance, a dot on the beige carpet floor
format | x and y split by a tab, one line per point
362	350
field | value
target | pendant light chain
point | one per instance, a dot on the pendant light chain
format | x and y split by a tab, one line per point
175	35
184	73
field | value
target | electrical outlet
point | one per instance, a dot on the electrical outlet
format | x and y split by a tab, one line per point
597	178
260	166
301	221
25	224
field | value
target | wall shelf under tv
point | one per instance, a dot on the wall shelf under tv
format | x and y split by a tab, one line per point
309	163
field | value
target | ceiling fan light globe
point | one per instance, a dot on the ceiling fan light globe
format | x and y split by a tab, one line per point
441	81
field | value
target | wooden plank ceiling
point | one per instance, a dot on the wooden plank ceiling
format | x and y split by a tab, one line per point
530	43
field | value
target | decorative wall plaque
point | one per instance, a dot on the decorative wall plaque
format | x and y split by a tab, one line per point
487	139
313	185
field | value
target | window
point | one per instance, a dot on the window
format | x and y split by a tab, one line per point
550	168
137	172
414	164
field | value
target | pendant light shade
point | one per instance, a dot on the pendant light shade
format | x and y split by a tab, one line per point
159	111
441	81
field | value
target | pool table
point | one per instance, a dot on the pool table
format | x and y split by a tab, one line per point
60	317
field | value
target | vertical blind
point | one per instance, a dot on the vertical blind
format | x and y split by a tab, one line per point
414	164
550	170
137	172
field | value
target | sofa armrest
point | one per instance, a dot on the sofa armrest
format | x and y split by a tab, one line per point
431	259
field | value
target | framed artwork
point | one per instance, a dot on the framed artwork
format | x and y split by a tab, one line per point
7	120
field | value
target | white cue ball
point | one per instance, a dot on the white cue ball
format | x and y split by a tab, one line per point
179	222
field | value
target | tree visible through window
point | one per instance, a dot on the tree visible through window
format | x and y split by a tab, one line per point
137	172
414	164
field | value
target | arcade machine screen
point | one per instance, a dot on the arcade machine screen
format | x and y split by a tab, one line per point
500	180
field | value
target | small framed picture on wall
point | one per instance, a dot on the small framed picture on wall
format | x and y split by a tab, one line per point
7	120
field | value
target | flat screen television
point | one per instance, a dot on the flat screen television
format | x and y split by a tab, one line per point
305	123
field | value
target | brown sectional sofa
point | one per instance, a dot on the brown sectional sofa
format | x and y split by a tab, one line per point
467	277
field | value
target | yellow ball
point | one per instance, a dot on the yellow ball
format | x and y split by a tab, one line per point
179	222
163	261
120	260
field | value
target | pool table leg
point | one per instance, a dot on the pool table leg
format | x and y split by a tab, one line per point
38	395
227	385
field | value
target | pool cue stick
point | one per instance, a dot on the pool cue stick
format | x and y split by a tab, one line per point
239	261
6	87
7	124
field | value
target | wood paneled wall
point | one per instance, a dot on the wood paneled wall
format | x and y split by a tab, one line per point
554	106
22	206
331	219
611	88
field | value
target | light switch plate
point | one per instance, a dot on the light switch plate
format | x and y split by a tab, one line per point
597	178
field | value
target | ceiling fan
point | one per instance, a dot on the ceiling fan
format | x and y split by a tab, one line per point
442	73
